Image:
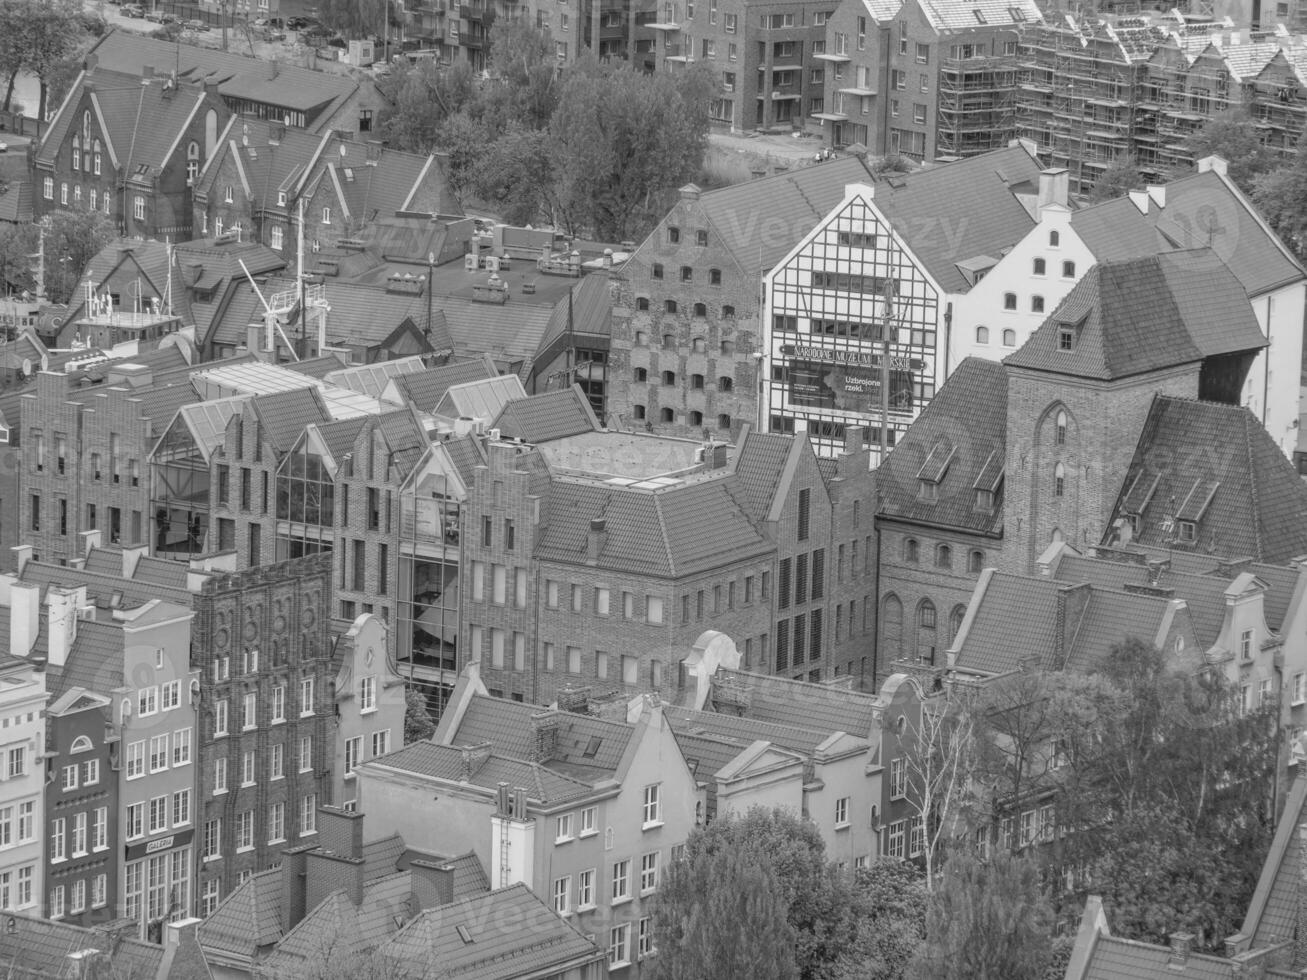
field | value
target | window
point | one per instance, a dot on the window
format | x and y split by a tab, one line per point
918	113
135	760
1059	480
1040	267
1066	338
147	701
842	812
653	810
563	894
353	754
564	833
306	696
249	711
1068	270
1009	301
247	768
585	889
57	841
279	703
220	717
326	216
687	273
158	814
276	823
138	208
306	753
621	881
1060	429
245	831
1010	335
898	778
653	609
896	839
917	836
670	307
1246	645
588	822
619	946
923	53
170	695
943	556
1053	239
648	873
975	562
276	761
219	776
602	600
70	778
181	747
309	814
645	940
181	808
276	240
982	335
47	188
911	551
212	839
368	694
657	270
1299	688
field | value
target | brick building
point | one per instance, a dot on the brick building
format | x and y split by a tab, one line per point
22	797
565	583
266	717
130	147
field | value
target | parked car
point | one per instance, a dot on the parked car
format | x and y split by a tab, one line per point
155	16
133	10
196	25
301	23
272	37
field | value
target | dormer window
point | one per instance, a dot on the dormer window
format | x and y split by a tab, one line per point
1187	532
927	491
281	198
229	194
984	501
1066	337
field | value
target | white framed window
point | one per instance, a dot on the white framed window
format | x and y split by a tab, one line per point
619	946
247	768
212	839
585	890
564	829
842	813
563	895
917	836
181	747
645	944
171	695
47	188
353	754
221	669
229	194
1246	645
275	239
220	718
621	881
367	694
99	891
27	821
653	609
896	839
181	808
249	712
250	656
70	777
57	902
1299	688
306	696
380	743
898	779
603	598
648	872
306	753
326	216
135	821
276	761
653	807
57	840
100	829
219	776
244	831
147	700
158	814
77	902
79	834
18	761
588	822
159	752
278	704
309	814
135	759
138	208
209	894
276	823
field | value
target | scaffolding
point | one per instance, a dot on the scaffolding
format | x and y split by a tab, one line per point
977	105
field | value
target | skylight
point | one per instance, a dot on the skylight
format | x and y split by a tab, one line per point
980	17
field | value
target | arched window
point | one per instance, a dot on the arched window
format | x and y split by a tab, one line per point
670	305
669	340
1054	239
982	335
81	744
911	551
943	556
891	626
1060	432
696	382
723	421
669	378
696	418
192	160
955	618
642	303
976	562
1009	338
1059	480
725	384
86	126
666	415
728	312
700	310
1069	269
77	153
641	374
1009	301
1041	267
926	637
1056	536
97	159
1036	304
697	344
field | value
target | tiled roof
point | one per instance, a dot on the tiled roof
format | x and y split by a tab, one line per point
16	202
426	389
1126	959
509	934
973	199
966	423
161	571
446	762
1138	315
482	399
1015	621
38	948
792	202
469	876
102	585
1224	473
284	414
552	415
965	15
741	729
800	704
372	379
505	724
1204	208
315	93
510	332
466	454
247	920
1274	909
320	367
759	467
589	314
95	662
673	532
1109	618
586	743
1116	229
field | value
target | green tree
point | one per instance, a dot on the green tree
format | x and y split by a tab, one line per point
1281	198
888	903
356	18
1233	136
18	245
525	65
623	137
1121	176
517	175
986	921
418	726
72	239
422	98
47	32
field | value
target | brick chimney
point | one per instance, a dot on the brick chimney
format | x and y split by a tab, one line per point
1071	603
546	736
597	538
91	540
340	831
574	699
432	885
1182	944
474	757
63	605
325	873
294	875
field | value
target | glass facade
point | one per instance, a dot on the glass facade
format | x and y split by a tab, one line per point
306	505
847	299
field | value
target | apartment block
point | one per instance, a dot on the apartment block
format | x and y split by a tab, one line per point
23	701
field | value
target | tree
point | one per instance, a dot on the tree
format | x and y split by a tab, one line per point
72	239
939	760
621	137
986	921
18	245
888	902
524	61
422	97
1121	176
418	726
38	36
1233	136
355	18
1281	198
517	174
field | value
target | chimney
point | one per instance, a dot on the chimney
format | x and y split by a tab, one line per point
432	885
1071	603
597	538
253	333
147	71
1181	945
91	540
340	832
24	617
175	933
1054	187
575	700
22	555
131	556
1219	164
690	192
474	757
608	258
294	865
325	873
546	737
1140	200
62	606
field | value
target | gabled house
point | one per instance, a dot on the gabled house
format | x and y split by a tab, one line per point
129	146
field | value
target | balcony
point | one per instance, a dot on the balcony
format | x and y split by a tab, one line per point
663	25
838	56
471	12
862	93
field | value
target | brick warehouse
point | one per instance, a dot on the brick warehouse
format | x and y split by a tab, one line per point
265	656
593	560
